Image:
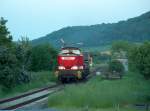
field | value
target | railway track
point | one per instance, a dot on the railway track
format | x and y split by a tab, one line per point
31	97
27	98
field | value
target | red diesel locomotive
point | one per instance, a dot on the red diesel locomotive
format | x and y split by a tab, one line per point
72	64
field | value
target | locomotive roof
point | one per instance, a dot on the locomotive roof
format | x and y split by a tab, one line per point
70	48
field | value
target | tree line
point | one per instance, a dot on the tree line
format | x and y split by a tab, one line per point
134	30
18	59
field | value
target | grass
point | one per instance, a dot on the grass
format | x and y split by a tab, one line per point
98	109
104	94
39	79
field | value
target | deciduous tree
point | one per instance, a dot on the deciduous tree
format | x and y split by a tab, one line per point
139	59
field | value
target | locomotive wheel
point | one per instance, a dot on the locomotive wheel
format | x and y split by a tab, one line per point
63	80
88	71
84	75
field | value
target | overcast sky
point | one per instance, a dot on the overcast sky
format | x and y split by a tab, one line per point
36	18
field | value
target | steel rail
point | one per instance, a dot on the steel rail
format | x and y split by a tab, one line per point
27	94
4	101
28	101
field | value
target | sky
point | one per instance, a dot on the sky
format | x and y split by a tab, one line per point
36	18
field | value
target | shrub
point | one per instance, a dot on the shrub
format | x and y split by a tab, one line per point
8	67
139	59
116	66
43	57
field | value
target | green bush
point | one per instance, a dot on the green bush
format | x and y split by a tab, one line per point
139	59
43	57
119	46
8	67
116	66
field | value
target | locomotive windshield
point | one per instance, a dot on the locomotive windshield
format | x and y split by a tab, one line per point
70	51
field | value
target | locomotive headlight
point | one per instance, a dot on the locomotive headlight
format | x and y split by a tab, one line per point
74	67
61	67
80	67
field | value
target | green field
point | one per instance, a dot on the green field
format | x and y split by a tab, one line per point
39	79
103	95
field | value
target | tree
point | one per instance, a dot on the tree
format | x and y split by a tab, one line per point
8	68
119	46
23	52
13	59
8	60
5	37
139	59
116	66
23	55
120	49
43	57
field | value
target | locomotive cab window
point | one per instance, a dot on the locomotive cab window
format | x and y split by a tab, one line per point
70	51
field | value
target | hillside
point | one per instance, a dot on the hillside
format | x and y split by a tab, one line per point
135	30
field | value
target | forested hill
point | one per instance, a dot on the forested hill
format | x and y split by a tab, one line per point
135	29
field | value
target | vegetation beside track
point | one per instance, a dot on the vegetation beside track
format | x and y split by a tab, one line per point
102	109
38	80
104	94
